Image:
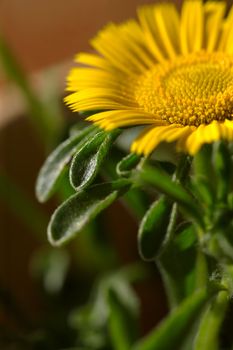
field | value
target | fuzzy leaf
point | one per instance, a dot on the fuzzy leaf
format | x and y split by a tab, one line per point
127	164
153	228
88	160
172	331
54	166
74	214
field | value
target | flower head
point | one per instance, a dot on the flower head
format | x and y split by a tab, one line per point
169	71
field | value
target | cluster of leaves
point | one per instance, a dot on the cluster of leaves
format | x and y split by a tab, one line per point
186	230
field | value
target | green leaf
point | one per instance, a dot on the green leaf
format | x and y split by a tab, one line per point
163	183
230	200
222	163
137	202
74	214
207	337
171	333
127	164
177	266
53	169
78	127
203	175
201	270
88	160
121	323
222	247
153	228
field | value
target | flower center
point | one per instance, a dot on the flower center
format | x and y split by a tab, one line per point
191	90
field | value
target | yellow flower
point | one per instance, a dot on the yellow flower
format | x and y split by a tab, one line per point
170	71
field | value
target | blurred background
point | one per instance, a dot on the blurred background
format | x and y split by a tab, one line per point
40	286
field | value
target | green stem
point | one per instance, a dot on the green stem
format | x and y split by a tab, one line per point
170	334
162	182
182	170
179	176
201	270
207	337
171	226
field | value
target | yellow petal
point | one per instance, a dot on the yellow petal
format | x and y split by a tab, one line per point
191	28
150	138
123	118
115	44
214	13
149	27
226	33
208	134
84	78
93	60
167	21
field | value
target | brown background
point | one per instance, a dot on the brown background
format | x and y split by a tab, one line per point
48	31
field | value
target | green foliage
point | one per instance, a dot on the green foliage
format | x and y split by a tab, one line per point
120	323
128	164
186	231
222	165
207	336
204	181
173	331
53	169
153	228
88	160
75	213
162	182
177	265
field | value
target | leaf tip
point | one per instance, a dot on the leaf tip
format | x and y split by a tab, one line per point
53	240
